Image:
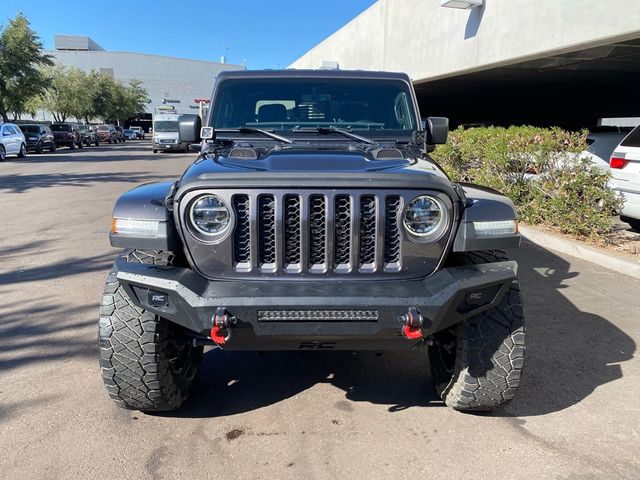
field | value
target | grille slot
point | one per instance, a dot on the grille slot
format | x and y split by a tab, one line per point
392	233
242	233
267	232
317	231
367	232
342	231
292	231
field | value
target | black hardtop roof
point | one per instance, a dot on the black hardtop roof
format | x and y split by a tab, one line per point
294	73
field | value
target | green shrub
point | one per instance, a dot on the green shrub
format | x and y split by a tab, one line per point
540	170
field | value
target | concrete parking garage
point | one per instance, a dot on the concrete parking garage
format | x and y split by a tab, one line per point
542	62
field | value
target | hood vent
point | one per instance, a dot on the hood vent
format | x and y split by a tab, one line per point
387	154
243	153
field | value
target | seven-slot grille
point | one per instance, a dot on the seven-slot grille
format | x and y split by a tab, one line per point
317	233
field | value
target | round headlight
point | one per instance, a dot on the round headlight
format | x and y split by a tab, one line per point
210	216
423	216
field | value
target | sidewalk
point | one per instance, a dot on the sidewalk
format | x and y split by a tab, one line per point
602	257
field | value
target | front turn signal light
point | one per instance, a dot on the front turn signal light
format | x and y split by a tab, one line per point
126	226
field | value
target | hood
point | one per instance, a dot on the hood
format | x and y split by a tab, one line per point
299	168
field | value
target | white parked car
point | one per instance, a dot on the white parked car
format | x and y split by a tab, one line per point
12	141
601	146
625	177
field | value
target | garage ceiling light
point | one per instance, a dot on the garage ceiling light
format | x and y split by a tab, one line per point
461	3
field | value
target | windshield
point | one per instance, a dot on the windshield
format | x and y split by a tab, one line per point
83	128
103	128
30	128
377	107
61	128
165	126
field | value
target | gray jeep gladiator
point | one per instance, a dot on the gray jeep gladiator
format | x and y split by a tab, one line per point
312	219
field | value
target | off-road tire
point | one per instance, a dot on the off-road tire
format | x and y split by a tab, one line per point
144	365
477	365
633	222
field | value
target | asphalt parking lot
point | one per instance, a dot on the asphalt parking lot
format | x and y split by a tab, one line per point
288	415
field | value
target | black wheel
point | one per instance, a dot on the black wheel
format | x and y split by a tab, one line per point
3	153
97	143
23	151
477	365
39	148
72	146
145	362
53	147
155	151
633	222
80	145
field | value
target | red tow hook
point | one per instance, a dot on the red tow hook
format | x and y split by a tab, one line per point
412	324
221	321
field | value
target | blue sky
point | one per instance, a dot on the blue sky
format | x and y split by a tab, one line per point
267	33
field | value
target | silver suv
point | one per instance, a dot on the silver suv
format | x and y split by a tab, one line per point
12	141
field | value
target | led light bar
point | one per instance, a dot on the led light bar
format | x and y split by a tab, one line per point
125	226
493	229
317	316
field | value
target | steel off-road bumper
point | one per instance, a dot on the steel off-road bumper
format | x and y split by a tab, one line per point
292	315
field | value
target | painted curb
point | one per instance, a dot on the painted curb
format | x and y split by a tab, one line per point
575	249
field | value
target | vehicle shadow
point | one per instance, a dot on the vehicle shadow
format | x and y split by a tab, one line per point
569	354
21	183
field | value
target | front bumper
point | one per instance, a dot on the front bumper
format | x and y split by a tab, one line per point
444	299
168	146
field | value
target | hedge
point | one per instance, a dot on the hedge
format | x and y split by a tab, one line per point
540	169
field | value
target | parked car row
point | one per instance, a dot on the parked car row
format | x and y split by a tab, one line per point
18	139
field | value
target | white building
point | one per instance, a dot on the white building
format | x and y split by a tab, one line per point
168	80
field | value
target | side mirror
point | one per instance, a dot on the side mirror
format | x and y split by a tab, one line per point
437	130
189	128
207	133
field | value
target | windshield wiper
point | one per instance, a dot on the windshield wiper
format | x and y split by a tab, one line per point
339	131
266	133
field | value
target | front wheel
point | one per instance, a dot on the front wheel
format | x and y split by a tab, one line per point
53	147
3	153
146	363
80	144
477	365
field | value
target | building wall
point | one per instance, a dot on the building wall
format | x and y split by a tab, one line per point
163	77
428	41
